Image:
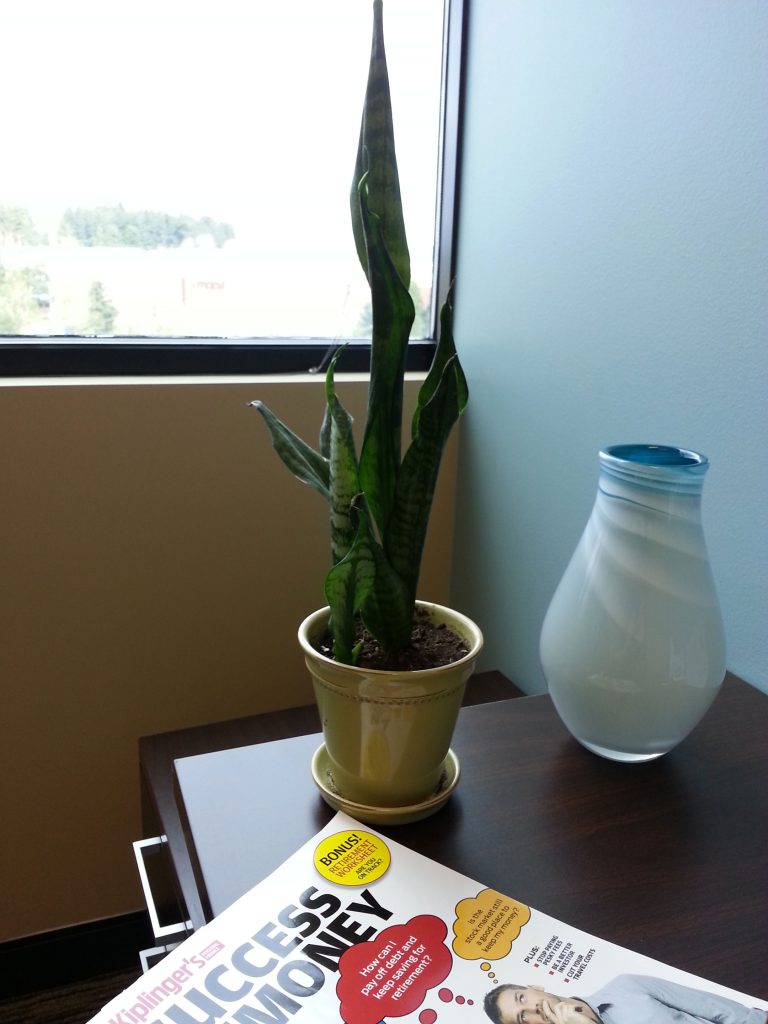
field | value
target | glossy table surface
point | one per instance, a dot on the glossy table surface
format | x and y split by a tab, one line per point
669	858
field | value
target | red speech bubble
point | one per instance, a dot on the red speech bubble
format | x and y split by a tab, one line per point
390	976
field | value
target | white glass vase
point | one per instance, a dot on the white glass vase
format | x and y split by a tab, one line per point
632	644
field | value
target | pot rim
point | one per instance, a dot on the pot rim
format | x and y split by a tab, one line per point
473	631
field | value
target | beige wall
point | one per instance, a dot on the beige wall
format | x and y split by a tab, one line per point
156	560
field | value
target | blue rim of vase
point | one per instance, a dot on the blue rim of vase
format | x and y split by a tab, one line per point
655	464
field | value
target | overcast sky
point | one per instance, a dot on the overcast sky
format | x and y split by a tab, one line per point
247	112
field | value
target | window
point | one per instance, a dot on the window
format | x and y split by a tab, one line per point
177	199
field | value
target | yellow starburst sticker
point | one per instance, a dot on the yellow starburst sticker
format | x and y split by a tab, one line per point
352	858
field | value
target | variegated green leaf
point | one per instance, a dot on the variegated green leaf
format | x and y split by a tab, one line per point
387	607
344	485
439	408
346	586
365	582
393	314
325	434
303	461
445	350
376	158
340	595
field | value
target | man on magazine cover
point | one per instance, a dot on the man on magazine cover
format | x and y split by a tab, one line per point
628	999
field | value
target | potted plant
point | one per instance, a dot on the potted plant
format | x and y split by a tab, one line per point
388	708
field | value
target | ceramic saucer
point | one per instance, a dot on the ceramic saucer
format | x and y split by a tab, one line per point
322	774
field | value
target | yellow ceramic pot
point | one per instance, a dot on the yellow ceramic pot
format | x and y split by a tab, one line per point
387	734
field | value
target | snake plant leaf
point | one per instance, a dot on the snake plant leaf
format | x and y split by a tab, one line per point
346	586
340	589
325	434
376	158
393	313
343	482
441	402
303	461
444	351
365	582
387	607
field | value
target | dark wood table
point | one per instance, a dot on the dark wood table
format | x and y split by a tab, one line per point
669	858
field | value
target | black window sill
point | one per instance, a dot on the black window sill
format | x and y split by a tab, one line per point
62	357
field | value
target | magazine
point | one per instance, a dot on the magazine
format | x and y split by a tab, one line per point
356	928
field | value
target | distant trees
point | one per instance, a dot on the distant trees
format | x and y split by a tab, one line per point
145	229
25	291
101	313
18	228
113	225
23	294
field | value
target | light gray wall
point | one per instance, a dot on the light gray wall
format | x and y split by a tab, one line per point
611	287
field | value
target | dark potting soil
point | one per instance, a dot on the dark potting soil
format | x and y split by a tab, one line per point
431	645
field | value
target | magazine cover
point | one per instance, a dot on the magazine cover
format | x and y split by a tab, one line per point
356	928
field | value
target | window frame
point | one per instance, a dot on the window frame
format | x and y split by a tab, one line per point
58	356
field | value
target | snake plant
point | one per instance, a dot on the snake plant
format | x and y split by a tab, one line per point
380	501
